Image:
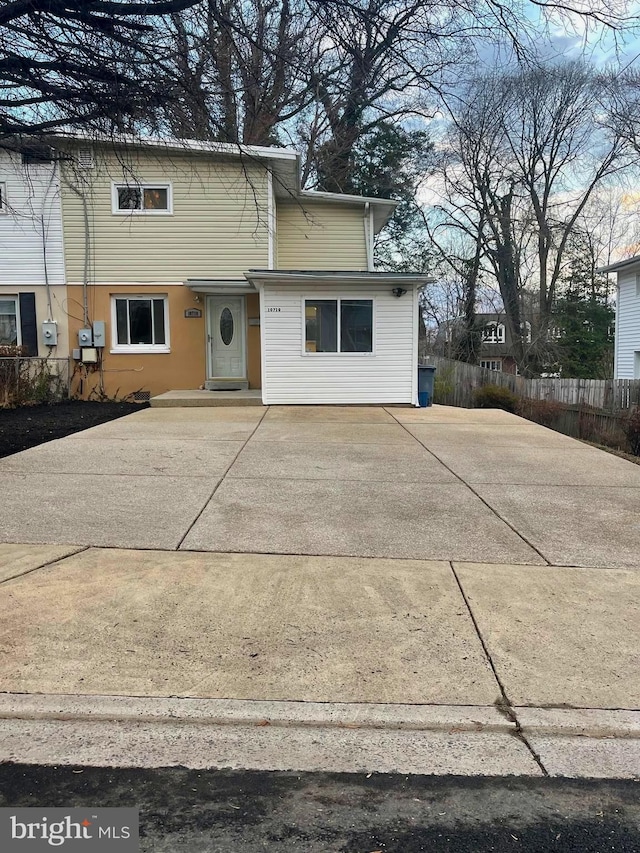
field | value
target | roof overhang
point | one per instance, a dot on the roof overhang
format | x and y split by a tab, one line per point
621	265
344	277
223	287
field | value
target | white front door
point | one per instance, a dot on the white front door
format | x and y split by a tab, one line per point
226	337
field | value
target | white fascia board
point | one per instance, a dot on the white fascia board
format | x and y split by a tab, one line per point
621	265
172	144
338	277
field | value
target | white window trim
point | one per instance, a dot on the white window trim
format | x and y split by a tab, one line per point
4	210
116	185
498	336
151	349
318	296
485	361
16	299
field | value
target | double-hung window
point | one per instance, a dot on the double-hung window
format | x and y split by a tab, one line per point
140	324
142	199
3	198
9	321
338	325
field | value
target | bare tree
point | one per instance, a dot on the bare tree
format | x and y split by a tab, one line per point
528	151
88	62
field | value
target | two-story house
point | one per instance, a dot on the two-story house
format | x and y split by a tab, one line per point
206	265
627	333
33	297
494	338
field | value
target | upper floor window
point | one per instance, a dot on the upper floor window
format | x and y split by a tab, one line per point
37	153
638	284
493	333
3	198
9	325
140	324
142	198
338	325
526	332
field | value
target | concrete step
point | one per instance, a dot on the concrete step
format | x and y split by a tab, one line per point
226	385
179	399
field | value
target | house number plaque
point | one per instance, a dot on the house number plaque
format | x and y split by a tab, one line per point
192	312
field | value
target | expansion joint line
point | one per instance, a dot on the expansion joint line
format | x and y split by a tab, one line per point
503	703
221	480
473	491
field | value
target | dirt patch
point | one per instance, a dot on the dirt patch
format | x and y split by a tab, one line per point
29	426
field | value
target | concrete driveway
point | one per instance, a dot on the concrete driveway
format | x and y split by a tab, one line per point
441	557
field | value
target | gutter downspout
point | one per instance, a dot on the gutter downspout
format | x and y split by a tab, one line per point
368	236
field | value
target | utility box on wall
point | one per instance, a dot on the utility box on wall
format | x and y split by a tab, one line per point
50	333
85	338
99	333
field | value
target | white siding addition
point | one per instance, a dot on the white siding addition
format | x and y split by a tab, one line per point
291	376
628	325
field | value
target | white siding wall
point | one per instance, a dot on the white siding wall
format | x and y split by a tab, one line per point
32	220
387	376
627	325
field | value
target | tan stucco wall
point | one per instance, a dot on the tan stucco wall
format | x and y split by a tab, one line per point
59	314
218	227
320	235
182	368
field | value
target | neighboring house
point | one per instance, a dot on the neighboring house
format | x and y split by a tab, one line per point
627	335
194	264
32	291
495	341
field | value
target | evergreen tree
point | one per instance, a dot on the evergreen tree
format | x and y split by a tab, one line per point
585	322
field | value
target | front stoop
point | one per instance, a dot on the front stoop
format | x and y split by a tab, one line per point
177	399
226	385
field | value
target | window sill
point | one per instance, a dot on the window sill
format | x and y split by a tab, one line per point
338	354
141	350
142	212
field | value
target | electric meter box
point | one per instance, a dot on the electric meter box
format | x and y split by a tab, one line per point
85	338
50	333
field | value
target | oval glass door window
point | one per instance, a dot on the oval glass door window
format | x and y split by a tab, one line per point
226	326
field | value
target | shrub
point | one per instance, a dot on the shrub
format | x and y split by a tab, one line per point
544	412
494	397
25	381
632	431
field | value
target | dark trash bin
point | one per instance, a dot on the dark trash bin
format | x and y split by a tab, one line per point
426	378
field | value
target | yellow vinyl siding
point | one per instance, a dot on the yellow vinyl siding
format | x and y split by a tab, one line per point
218	228
319	235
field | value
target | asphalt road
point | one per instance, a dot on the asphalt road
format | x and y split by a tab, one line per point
247	812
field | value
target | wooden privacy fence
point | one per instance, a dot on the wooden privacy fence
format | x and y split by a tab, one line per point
456	381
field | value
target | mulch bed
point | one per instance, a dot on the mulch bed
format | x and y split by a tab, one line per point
29	426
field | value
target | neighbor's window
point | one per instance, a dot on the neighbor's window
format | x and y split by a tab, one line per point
3	197
142	198
493	333
491	363
140	323
9	325
338	325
